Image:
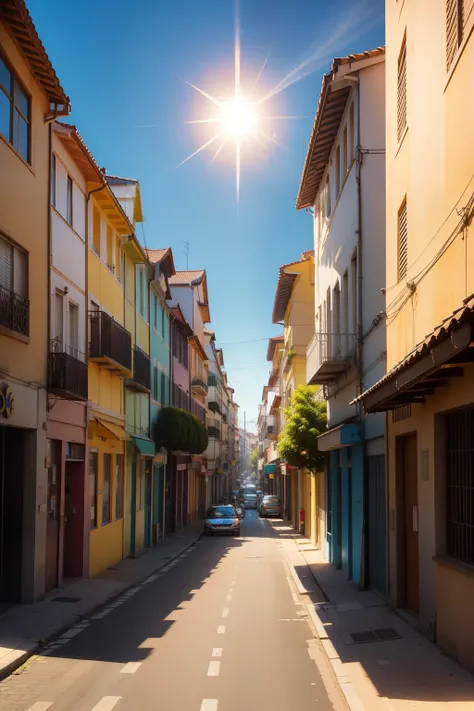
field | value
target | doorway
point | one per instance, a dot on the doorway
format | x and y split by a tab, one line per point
407	497
147	502
74	512
12	451
52	525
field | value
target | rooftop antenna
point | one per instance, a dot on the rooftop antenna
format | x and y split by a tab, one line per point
186	252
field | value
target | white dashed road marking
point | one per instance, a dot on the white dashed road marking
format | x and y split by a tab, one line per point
209	705
130	668
225	612
107	703
221	629
214	669
217	652
43	705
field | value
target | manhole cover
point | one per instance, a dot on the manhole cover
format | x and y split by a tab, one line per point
384	635
66	599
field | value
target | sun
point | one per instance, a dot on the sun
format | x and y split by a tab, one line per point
238	117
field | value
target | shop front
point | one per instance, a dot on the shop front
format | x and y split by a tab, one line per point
24	497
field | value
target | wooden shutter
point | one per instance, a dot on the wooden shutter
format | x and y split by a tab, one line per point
6	265
453	29
402	91
402	241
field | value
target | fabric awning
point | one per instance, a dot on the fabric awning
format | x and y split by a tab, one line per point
344	435
111	429
145	446
269	469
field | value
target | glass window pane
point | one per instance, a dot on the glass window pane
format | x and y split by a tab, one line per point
5	106
106	489
24	139
119	486
5	77
22	101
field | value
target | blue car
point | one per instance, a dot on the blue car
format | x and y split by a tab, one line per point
221	519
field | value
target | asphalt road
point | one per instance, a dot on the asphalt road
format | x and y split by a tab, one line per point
220	629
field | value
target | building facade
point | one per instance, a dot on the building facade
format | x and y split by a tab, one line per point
32	98
343	182
427	393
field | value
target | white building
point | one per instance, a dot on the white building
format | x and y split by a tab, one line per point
343	182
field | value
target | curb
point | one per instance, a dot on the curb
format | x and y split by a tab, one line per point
37	647
318	619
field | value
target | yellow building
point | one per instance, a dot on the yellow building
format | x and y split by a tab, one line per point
294	309
428	392
31	98
113	254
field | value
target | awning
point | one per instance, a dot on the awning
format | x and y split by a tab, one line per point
269	469
145	446
111	429
287	469
344	435
428	366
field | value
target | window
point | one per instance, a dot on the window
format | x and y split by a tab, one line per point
15	107
163	317
118	486
345	306
402	90
106	489
73	319
93	458
460	485
354	292
14	311
96	231
163	388
156	395
458	13
53	180
351	133
118	259
328	197
140	485
336	339
338	169
402	241
157	310
59	320
344	152
110	241
69	200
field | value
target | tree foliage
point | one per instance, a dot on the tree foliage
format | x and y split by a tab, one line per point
306	419
254	457
180	431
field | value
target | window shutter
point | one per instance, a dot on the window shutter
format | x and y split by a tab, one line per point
402	242
6	264
402	91
20	273
453	27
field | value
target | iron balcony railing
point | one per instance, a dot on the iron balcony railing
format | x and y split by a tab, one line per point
14	312
199	382
141	369
110	342
67	372
214	432
328	356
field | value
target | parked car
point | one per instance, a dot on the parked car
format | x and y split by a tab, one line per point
240	508
221	519
270	506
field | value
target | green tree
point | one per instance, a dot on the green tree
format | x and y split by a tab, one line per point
306	419
254	457
178	430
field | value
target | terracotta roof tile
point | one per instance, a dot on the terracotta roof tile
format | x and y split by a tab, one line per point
285	287
272	344
186	278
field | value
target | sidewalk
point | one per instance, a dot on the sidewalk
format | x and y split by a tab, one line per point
26	628
380	661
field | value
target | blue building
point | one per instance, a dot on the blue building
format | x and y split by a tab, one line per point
162	268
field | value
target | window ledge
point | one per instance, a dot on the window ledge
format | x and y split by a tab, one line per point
18	155
401	141
14	334
446	561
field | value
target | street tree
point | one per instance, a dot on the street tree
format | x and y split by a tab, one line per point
306	419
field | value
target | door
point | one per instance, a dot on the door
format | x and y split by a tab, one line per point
147	504
376	523
13	444
410	553
74	511
59	321
52	525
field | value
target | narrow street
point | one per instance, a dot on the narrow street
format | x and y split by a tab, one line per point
219	629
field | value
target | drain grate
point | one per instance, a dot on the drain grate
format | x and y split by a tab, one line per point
384	635
66	599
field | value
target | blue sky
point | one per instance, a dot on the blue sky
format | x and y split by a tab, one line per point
122	63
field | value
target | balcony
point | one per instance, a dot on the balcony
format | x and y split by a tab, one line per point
271	432
14	312
214	432
110	344
199	385
141	379
67	372
328	356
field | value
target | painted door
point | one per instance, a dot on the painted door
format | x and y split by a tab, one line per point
157	502
128	509
148	505
410	522
376	523
52	525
